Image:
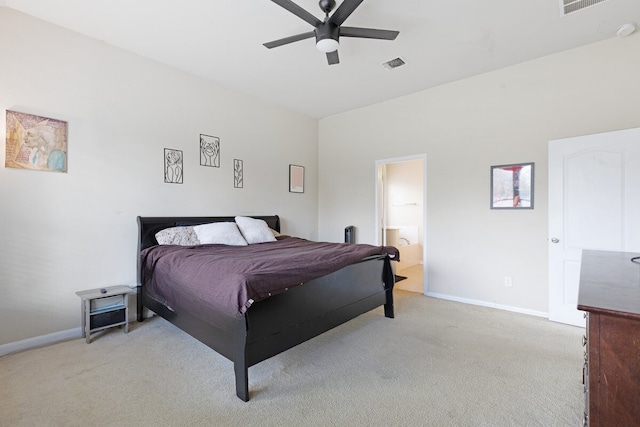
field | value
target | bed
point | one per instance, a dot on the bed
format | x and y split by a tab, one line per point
264	321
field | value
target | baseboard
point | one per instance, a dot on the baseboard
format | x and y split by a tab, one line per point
488	304
56	337
41	341
74	333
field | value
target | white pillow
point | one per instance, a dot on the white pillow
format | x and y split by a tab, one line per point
183	236
254	230
225	233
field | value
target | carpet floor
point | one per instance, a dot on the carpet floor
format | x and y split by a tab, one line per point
438	363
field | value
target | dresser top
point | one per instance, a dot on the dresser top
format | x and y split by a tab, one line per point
609	282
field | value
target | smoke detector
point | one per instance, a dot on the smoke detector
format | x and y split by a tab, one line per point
625	30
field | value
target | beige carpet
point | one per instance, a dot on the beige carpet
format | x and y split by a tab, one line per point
438	363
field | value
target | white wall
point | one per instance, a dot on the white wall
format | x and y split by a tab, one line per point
62	233
506	116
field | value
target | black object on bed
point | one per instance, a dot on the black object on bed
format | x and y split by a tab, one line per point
264	321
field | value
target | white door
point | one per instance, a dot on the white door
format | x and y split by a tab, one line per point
594	203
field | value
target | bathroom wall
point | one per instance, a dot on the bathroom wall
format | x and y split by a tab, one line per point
405	208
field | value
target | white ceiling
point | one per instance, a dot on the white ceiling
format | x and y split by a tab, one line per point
440	40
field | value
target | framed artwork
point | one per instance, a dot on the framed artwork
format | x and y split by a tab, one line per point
296	179
238	173
209	151
512	186
173	164
35	142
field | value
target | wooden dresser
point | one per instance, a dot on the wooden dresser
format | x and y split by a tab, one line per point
610	294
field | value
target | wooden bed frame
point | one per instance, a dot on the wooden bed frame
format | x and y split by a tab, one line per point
282	321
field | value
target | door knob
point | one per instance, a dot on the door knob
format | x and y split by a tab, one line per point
555	240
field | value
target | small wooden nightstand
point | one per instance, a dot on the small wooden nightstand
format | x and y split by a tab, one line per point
104	308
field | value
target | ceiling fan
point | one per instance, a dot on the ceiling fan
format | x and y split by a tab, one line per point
329	31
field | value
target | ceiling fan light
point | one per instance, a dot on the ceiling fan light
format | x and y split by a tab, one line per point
327	45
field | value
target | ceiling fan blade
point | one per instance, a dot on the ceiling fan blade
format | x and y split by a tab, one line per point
289	39
332	57
344	10
368	33
298	11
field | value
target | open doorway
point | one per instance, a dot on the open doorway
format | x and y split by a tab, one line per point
401	214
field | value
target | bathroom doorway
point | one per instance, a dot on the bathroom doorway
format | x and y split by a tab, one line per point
401	217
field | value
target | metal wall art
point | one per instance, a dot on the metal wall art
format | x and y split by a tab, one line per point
173	165
209	151
238	173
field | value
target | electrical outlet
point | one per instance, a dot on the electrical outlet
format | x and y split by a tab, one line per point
507	281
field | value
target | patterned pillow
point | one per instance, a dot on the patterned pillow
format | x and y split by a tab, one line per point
183	236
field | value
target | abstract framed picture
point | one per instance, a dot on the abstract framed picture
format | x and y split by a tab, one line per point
512	186
296	179
209	151
173	166
35	142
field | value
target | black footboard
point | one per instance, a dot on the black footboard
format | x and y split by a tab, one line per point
286	320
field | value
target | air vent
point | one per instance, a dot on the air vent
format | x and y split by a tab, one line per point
569	6
394	63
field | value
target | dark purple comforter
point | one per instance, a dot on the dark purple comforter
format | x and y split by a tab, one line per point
231	278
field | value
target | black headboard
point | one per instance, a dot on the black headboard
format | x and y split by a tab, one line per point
149	226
